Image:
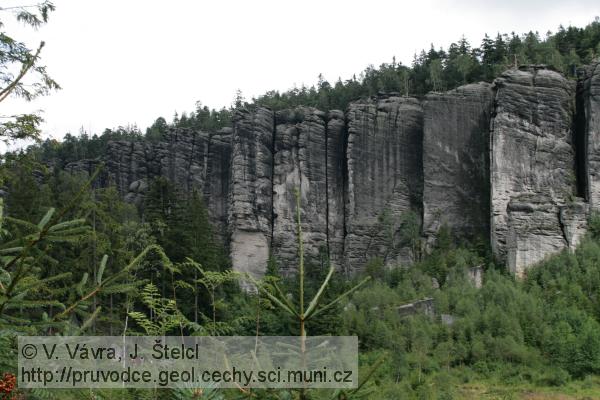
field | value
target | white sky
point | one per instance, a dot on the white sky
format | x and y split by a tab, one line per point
129	62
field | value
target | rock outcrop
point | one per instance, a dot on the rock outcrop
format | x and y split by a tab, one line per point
300	163
516	163
251	190
455	161
385	178
532	164
193	161
573	218
534	231
217	180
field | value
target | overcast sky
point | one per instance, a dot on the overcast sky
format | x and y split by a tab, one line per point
129	62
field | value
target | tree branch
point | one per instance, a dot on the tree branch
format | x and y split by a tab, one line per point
24	69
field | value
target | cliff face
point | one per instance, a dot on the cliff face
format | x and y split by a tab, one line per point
300	162
515	162
532	163
191	160
455	161
336	186
384	156
251	190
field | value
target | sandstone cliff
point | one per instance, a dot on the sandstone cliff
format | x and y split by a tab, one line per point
455	161
251	190
385	177
532	161
515	162
300	162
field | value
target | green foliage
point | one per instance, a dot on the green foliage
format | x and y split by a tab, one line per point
438	70
594	225
21	74
543	331
181	224
82	146
296	308
165	317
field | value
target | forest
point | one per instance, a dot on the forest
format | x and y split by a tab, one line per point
75	259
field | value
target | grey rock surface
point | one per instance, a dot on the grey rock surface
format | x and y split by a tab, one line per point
336	186
216	185
538	228
475	276
573	218
300	163
531	154
385	177
424	306
455	161
534	231
250	209
193	161
87	166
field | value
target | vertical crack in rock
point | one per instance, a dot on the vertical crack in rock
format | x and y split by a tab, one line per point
336	185
216	179
385	178
188	180
456	161
345	188
327	227
589	115
579	141
573	218
273	214
532	165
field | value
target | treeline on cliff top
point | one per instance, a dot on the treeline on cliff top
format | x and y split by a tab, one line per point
433	70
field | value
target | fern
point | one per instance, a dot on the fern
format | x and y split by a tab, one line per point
166	316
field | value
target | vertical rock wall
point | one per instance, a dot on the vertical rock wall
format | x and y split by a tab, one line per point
385	177
455	161
299	164
216	186
532	164
251	190
191	160
534	231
